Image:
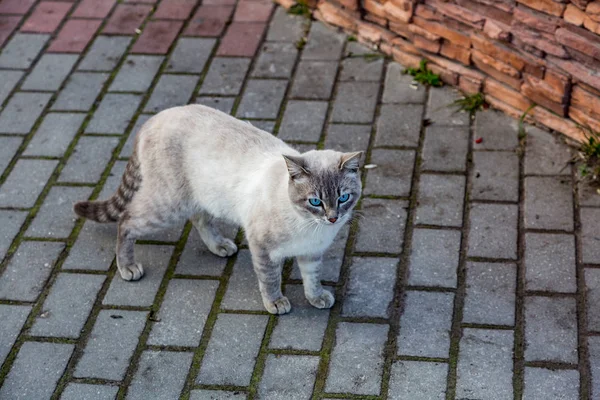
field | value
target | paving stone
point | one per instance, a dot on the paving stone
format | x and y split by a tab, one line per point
94	248
74	36
114	113
20	7
548	203
347	138
497	130
393	174
493	231
399	125
445	148
54	135
78	391
440	200
56	219
590	218
276	60
80	92
314	80
288	377
171	91
103	356
155	260
241	39
228	360
46	17
490	293
418	380
126	18
174	9
253	12
355	102
361	69
425	324
216	395
50	72
592	282
127	149
67	307
262	99
303	147
398	87
89	159
113	181
26	182
22	111
8	81
267	126
11	221
191	55
323	43
546	384
285	335
550	262
105	53
438	110
358	49
225	76
183	313
8	148
8	24
370	289
550	329
36	371
434	258
161	375
546	154
224	104
364	342
22	49
136	74
495	176
209	19
303	120
382	229
242	290
196	259
588	195
485	365
594	349
93	9
285	27
13	318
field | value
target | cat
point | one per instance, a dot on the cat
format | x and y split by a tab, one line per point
194	162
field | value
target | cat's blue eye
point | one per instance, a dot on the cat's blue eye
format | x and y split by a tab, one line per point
344	198
314	202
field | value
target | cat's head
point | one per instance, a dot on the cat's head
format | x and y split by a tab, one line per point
324	185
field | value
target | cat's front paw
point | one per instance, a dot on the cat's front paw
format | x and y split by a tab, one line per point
280	306
325	300
132	272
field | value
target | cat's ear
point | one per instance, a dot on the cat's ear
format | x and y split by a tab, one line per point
351	161
295	166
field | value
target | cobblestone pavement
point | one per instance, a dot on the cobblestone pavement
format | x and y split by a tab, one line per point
473	275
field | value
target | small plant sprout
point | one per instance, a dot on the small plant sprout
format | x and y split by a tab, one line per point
522	131
588	156
300	8
352	38
423	75
470	103
301	43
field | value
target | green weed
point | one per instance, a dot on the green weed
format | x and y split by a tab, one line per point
470	103
423	75
300	8
352	38
588	156
301	43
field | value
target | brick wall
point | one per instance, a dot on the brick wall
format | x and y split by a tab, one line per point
517	53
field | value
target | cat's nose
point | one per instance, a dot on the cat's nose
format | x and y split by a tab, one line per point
332	220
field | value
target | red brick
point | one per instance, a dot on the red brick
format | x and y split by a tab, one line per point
175	9
46	17
557	123
219	2
581	4
348	4
455	67
591	25
94	8
496	69
253	12
447	33
586	101
127	18
460	13
497	51
18	7
504	5
408	60
432	46
209	21
574	15
497	30
405	46
386	48
584	119
75	36
580	40
581	72
336	16
401	28
535	19
428	13
487	11
542	93
593	10
468	85
506	94
547	6
456	52
375	19
157	37
423	32
142	1
8	23
241	39
540	41
498	65
399	10
446	76
373	34
375	8
506	108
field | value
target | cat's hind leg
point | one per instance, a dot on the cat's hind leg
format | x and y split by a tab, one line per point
212	236
310	268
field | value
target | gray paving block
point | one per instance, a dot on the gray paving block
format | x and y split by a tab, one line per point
592	282
54	135
393	174
490	294
191	55
493	231
347	138
13	317
160	375
225	76
485	365
364	342
105	53
285	335
78	391
314	80
105	357
303	120
425	324
127	149
224	104
399	125
25	182
357	49
228	360
8	81
546	384
303	147
155	260
288	377
418	380
136	74
276	60
285	27
183	313
11	222
262	99
94	248
440	200
50	72
550	262
171	91
548	203
67	307
8	148
594	349
398	88
80	92
267	126
22	49
196	259
22	111
114	113
445	148
216	395
355	102
439	109
495	176
361	69
324	43
546	154
370	289
590	218
382	228
550	329
434	258
89	159
25	276
36	371
242	289
588	195
497	130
